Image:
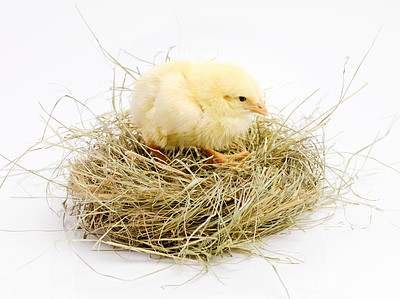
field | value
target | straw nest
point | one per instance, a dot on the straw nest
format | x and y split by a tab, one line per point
188	208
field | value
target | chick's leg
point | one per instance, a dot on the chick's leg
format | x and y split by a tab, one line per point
158	152
217	157
155	151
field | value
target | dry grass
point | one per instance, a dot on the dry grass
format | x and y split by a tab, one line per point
189	209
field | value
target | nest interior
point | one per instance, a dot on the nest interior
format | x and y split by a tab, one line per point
188	208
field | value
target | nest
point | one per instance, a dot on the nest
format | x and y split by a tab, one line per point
188	208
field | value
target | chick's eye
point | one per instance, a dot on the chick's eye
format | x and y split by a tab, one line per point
242	99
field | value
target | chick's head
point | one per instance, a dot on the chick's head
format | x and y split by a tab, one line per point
228	90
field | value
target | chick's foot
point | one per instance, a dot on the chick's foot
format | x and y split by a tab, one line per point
219	158
157	152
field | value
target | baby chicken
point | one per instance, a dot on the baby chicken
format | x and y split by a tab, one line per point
204	104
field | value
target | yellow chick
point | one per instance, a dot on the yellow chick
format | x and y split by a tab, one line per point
204	104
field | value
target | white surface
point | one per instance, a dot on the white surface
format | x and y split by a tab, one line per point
47	49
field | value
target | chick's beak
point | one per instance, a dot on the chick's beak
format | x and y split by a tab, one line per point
259	108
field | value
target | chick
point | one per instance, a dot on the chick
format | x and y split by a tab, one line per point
204	104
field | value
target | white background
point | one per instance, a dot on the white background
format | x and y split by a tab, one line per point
292	48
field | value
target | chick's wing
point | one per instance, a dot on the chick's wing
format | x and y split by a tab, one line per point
175	109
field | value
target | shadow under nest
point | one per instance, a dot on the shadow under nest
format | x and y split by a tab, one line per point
189	209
